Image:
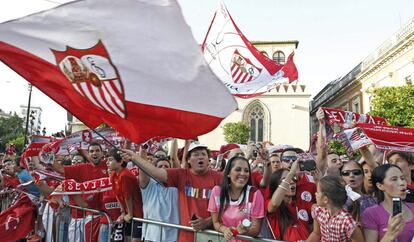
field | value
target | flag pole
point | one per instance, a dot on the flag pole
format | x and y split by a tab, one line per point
116	148
27	117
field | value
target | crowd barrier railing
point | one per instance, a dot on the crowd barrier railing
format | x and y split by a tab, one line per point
6	199
53	231
202	235
60	230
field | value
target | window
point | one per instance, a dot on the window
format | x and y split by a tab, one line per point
279	57
344	107
256	117
264	53
356	105
407	79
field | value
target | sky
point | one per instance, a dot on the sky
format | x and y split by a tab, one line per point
334	36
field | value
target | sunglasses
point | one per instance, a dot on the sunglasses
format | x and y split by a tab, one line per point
356	172
158	156
289	158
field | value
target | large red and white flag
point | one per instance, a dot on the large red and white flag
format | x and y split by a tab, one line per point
132	64
244	70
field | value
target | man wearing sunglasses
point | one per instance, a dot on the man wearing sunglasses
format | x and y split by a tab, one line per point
290	155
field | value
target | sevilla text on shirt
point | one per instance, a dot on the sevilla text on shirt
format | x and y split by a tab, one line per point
197	192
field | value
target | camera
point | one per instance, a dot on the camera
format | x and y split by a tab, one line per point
307	165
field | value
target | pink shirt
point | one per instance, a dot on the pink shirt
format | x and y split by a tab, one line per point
236	211
376	218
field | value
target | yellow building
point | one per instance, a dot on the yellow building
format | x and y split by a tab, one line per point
391	64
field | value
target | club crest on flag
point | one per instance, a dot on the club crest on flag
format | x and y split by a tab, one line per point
242	69
93	75
12	222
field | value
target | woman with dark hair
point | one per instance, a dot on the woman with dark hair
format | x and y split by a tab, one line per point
353	176
330	221
379	224
405	161
288	208
236	207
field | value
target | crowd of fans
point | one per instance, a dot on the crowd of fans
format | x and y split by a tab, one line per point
282	195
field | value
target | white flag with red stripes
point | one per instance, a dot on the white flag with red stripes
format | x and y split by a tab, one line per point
132	64
244	70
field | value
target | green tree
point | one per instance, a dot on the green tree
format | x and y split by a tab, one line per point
236	133
19	142
337	147
11	129
396	104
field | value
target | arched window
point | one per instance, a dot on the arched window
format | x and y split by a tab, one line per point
264	53
256	117
279	57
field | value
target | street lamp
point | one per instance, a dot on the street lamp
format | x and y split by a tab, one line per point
27	115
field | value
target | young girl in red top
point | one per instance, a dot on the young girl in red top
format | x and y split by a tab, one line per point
126	188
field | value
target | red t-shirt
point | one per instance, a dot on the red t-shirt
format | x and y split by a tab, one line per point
111	206
125	186
86	172
256	178
10	181
193	194
301	209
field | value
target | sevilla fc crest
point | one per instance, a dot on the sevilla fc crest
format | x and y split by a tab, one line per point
242	69
92	75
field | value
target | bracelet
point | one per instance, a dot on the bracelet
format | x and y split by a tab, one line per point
235	232
287	183
284	188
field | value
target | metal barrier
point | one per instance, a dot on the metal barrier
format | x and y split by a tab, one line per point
52	224
52	228
6	199
212	234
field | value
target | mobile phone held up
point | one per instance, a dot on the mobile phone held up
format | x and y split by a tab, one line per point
396	206
307	165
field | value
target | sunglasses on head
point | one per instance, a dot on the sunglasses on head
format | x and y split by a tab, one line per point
356	172
289	158
158	156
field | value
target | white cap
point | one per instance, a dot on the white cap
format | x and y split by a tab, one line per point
195	145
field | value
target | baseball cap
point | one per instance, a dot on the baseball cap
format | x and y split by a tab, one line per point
228	147
195	145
